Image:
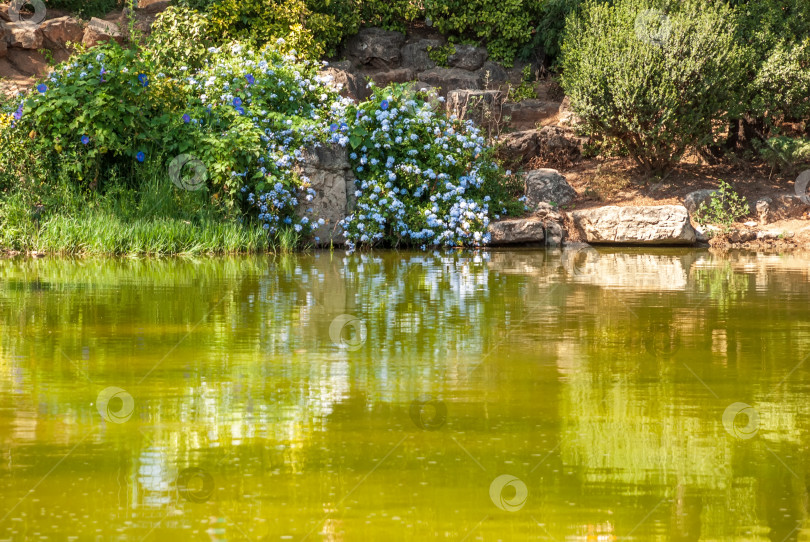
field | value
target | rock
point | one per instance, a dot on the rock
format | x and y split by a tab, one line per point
397	75
636	225
447	79
415	54
57	32
3	44
547	185
375	47
23	35
528	113
553	222
492	74
153	6
30	63
693	200
467	57
565	115
558	141
4	16
12	81
774	235
519	146
517	231
98	31
330	174
780	207
349	82
471	103
741	236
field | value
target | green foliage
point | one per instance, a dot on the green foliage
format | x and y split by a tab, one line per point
86	8
550	28
526	90
504	25
724	207
179	41
786	153
782	84
441	54
82	120
655	82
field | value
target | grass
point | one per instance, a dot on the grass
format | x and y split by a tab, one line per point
154	219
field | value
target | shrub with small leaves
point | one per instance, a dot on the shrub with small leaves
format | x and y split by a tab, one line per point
723	208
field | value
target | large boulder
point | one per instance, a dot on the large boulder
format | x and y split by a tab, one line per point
375	47
344	77
153	6
781	207
330	174
547	186
529	113
23	35
694	200
492	74
559	142
517	231
635	225
447	79
467	57
415	54
28	62
98	31
3	44
58	32
397	75
519	146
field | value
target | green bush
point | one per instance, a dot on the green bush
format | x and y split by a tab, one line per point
504	26
654	81
785	153
86	8
179	41
723	208
93	111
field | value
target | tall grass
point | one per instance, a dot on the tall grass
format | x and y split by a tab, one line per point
154	218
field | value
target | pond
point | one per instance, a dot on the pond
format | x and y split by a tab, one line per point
611	394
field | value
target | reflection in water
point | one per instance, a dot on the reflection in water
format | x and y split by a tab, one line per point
491	395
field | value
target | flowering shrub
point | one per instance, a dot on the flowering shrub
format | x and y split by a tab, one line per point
92	110
250	117
421	179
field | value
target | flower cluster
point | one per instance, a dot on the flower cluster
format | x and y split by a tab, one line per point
267	109
422	179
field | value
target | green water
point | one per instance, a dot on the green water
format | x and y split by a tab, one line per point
522	395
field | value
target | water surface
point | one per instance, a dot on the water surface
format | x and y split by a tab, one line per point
525	395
